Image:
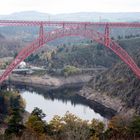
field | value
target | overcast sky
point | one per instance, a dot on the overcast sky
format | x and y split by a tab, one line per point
69	6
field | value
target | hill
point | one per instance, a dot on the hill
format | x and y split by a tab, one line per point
84	55
81	16
118	87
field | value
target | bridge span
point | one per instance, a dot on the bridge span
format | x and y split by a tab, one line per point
84	29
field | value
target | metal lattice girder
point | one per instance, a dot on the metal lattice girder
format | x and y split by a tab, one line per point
91	34
69	23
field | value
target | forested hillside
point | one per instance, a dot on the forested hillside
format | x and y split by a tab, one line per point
119	81
83	56
86	54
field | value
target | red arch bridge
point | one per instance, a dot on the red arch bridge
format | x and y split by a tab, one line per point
84	29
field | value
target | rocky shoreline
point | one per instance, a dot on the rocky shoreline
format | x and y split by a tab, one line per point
109	102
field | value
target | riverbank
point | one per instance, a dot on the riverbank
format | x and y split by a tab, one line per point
50	82
115	103
112	105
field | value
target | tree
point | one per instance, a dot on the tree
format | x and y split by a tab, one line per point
118	126
15	106
70	70
75	128
56	126
35	123
69	127
38	112
15	124
119	37
134	126
96	129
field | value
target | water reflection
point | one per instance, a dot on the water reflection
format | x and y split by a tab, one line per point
58	103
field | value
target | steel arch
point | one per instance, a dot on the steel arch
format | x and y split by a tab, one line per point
50	36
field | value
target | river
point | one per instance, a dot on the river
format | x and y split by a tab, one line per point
58	103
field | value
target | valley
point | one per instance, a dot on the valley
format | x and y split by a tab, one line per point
76	80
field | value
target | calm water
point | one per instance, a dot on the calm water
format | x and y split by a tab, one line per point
58	103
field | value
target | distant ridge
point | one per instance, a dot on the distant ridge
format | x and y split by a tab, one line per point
81	16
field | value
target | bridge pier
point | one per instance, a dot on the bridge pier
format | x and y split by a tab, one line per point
107	35
41	34
71	29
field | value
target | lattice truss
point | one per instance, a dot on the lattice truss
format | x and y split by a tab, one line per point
103	33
